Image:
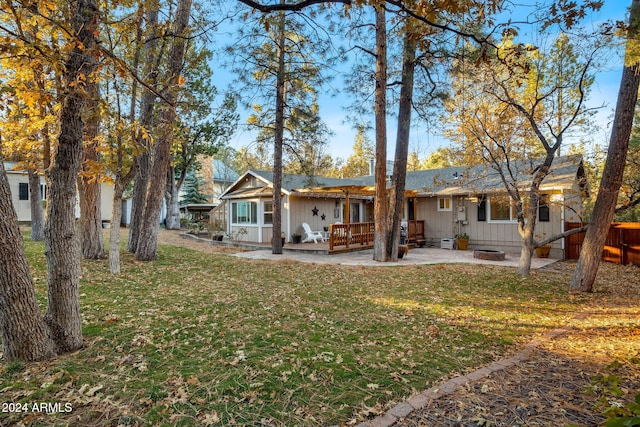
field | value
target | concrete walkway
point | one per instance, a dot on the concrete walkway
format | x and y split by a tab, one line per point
416	256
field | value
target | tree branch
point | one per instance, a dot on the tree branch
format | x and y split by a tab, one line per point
467	35
562	235
290	7
630	204
107	53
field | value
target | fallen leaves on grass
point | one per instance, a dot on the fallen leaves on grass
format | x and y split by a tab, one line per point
203	338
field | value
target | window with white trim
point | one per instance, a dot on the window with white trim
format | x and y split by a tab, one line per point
267	212
444	204
501	209
244	213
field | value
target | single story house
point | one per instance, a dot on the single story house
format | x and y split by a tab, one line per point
19	187
450	201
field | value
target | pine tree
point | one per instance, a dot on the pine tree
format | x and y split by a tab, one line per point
192	193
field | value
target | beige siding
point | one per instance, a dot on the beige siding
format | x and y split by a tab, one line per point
259	232
106	201
251	234
23	207
483	234
573	209
302	211
437	224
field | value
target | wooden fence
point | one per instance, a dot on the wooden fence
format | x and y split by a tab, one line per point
622	245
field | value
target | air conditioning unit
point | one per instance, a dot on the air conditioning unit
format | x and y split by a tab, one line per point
447	243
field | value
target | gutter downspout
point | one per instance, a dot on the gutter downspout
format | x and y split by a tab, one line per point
288	215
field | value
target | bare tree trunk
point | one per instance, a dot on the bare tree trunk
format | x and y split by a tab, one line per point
172	221
37	219
148	242
61	237
114	233
37	213
276	241
527	229
380	202
122	179
24	334
147	103
88	184
143	169
402	145
604	208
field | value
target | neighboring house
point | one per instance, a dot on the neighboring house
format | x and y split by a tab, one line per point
127	206
454	200
19	186
216	178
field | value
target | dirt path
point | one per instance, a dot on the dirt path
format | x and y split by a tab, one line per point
177	238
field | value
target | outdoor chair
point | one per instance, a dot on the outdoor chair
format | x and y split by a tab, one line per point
311	235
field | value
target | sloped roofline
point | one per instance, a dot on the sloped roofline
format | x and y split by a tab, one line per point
250	172
567	171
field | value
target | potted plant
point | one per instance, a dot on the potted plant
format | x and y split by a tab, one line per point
544	250
462	241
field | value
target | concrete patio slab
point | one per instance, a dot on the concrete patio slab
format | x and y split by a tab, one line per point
416	256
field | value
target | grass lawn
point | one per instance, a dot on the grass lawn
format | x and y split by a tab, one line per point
201	339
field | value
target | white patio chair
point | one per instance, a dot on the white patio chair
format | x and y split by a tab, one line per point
311	235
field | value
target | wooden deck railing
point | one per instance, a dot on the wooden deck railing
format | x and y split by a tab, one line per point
348	236
415	232
359	235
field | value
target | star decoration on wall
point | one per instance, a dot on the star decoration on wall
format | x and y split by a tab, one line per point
315	211
323	216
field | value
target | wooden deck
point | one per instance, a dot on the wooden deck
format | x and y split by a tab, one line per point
342	238
359	235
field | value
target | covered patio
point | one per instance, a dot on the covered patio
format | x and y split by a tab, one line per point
356	236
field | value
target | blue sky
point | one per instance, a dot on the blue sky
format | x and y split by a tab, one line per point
425	140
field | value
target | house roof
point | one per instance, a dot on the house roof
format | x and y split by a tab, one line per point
223	173
12	167
292	182
460	180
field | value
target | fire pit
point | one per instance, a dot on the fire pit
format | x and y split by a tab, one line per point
488	254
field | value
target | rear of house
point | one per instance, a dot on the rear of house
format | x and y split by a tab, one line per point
450	201
473	200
